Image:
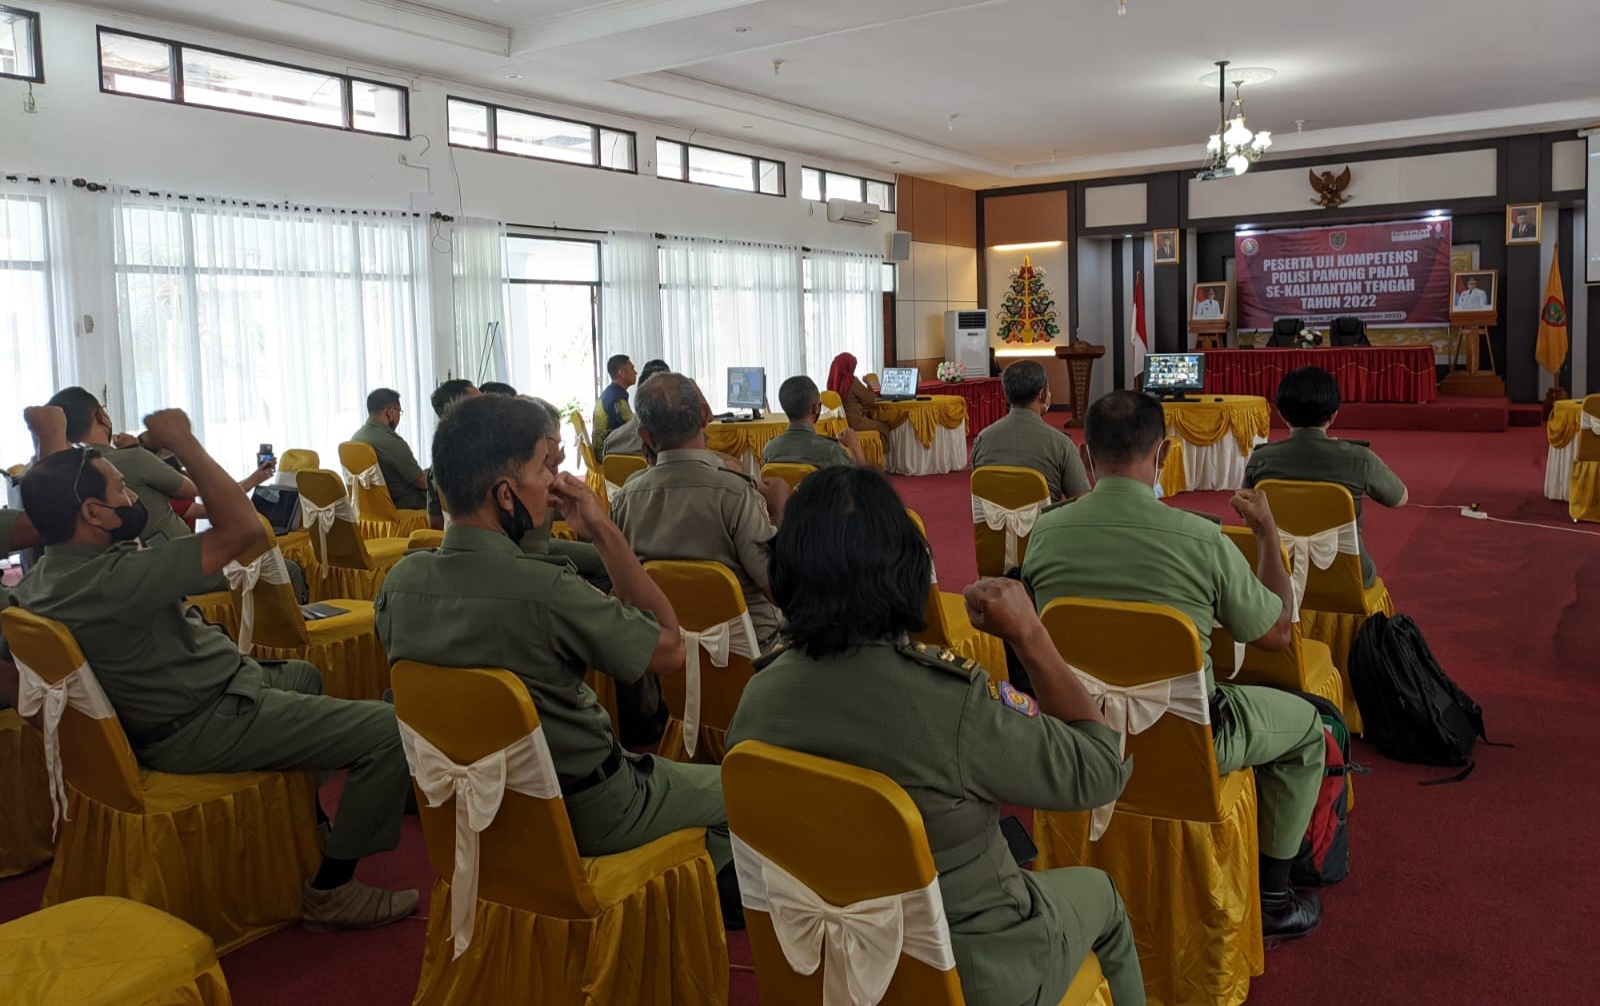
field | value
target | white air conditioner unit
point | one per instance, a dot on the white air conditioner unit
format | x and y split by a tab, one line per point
966	340
851	212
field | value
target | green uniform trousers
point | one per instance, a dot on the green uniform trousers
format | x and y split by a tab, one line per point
286	724
646	799
1280	736
1085	912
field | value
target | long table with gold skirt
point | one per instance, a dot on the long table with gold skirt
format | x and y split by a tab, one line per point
1212	438
926	437
1562	432
747	440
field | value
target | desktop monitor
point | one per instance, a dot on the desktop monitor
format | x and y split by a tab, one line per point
747	388
1174	373
899	382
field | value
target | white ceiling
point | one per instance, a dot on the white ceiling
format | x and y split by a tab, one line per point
1041	88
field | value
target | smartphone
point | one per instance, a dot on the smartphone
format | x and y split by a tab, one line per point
264	455
1017	839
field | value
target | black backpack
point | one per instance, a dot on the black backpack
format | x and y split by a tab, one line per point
1324	856
1411	709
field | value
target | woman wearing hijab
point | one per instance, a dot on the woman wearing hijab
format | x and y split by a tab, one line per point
857	397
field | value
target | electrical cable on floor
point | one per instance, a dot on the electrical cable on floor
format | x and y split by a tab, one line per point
1473	508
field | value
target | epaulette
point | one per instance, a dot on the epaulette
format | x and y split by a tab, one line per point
1213	518
1058	504
1359	443
944	660
768	657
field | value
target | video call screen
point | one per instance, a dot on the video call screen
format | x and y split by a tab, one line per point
1175	370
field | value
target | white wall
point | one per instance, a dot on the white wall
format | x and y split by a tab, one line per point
1464	174
938	278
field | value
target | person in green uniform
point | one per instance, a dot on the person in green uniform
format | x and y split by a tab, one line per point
1120	543
48	424
481	601
498	388
1308	400
187	699
687	505
611	409
407	482
801	444
851	572
1022	439
625	438
444	396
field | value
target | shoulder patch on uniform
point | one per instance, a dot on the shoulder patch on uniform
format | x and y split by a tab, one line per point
768	657
1058	504
944	660
1017	702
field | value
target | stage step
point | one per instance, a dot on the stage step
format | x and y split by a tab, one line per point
1527	415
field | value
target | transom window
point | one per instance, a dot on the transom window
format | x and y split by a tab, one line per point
686	162
20	53
820	186
507	131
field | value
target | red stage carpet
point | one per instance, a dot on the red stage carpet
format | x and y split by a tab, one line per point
1479	893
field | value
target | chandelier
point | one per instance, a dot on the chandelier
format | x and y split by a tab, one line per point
1233	147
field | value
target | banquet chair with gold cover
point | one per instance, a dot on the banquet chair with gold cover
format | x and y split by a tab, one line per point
376	514
344	647
350	566
226	853
100	951
719	644
950	627
423	539
617	467
1317	522
835	836
25	838
298	459
1583	485
793	474
1006	501
534	922
833	421
1181	842
594	474
216	607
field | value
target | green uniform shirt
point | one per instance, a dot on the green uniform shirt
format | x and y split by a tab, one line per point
8	529
1120	543
479	601
396	462
156	660
1310	455
153	481
687	506
435	501
624	440
801	444
960	746
1024	440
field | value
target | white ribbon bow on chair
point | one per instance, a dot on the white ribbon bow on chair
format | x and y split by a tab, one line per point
525	767
1133	709
737	635
322	517
1320	548
1589	422
371	478
1018	523
242	580
611	488
859	945
827	413
79	690
1238	653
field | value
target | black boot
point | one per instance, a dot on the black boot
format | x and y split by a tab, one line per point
1289	915
728	894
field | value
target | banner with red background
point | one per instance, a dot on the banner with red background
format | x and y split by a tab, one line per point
1392	275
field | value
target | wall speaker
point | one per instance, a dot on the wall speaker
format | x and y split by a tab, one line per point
900	246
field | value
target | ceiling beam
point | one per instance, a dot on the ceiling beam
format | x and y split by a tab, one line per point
612	18
419	20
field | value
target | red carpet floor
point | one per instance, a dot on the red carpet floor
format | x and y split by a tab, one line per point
1477	893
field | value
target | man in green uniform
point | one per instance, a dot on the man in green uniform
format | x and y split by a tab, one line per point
187	699
49	427
444	396
801	444
1120	543
480	601
686	505
1024	440
407	482
611	409
625	438
1308	400
851	572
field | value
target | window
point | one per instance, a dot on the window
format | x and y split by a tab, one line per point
553	294
844	308
685	162
29	323
546	138
820	186
20	53
171	71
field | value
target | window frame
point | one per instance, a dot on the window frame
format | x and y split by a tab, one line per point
175	50
493	124
38	46
756	160
822	186
595	285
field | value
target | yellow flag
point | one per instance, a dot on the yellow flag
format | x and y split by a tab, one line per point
1551	350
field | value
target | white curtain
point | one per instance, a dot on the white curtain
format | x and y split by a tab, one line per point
630	297
37	326
731	304
270	325
844	311
478	273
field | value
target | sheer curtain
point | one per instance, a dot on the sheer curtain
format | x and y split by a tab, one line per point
630	297
37	348
270	325
844	311
730	304
478	271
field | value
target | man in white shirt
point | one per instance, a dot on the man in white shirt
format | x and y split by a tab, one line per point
1210	307
1472	298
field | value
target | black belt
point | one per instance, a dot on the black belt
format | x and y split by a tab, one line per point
602	772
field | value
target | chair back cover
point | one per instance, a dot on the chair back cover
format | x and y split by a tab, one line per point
274	611
367	489
791	473
1013	489
298	459
1589	430
1279	668
617	468
336	542
709	603
1321	510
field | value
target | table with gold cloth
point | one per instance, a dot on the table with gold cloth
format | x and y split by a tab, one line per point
926	437
746	441
1212	438
1562	431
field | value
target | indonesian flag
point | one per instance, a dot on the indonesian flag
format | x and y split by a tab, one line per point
1551	349
1138	339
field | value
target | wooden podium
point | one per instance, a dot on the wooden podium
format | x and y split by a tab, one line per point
1080	357
1469	335
1209	333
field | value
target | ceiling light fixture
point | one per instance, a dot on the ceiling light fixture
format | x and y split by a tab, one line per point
1233	147
1029	246
741	29
950	121
777	65
513	76
1122	8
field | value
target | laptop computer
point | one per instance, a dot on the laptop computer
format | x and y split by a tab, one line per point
280	505
899	384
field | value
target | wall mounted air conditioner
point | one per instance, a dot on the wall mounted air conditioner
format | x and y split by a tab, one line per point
849	211
966	340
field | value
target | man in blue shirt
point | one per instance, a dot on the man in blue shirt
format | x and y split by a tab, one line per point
612	410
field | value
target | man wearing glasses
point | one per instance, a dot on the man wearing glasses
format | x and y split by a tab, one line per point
407	482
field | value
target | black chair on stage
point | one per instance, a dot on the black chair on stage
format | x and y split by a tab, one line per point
1348	331
1284	331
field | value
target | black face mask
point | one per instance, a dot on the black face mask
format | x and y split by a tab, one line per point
518	522
134	517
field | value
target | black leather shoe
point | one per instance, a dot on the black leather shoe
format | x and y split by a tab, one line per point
728	894
1292	919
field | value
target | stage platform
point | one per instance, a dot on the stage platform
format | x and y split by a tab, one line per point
1446	414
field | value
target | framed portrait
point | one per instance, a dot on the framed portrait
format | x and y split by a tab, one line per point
1168	251
1210	302
1474	290
1524	223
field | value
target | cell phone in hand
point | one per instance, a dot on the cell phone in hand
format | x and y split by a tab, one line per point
1018	841
265	455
